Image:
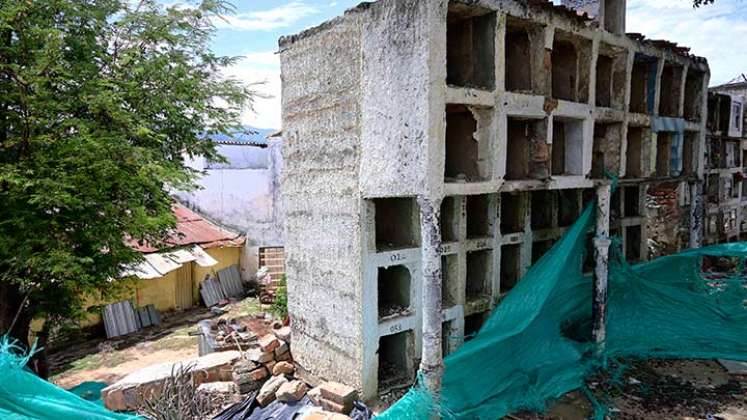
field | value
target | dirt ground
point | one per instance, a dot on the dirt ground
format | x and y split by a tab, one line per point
102	360
658	389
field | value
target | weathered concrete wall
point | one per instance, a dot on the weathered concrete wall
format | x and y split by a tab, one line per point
243	195
321	74
376	116
394	109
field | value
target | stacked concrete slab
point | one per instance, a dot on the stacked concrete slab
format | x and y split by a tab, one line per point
509	115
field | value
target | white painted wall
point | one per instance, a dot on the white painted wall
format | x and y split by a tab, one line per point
242	194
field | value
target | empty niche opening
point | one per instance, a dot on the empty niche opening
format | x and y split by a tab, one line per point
729	159
633	166
643	84
693	95
527	154
615	233
449	220
589	262
614	16
735	126
690	143
632	206
542	209
449	280
395	354
611	63
724	112
569	207
570	79
567	147
728	187
606	149
540	248
447	337
615	206
633	243
671	86
472	325
478	274
512	213
510	267
462	147
397	223
394	291
712	112
604	81
470	47
663	151
587	196
478	216
736	185
711	188
744	191
518	56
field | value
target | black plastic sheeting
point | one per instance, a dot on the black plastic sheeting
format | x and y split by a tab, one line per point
249	409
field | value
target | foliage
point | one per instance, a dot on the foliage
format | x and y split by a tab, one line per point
698	3
176	399
280	306
100	100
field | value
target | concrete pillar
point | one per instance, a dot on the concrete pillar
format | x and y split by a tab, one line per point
431	364
696	214
601	269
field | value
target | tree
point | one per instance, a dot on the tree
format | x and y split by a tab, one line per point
698	3
99	102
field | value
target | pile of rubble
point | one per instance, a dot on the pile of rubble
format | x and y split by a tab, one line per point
268	369
270	355
224	335
247	363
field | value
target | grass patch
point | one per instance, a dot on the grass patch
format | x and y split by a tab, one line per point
246	307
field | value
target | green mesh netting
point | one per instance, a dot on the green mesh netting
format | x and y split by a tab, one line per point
536	347
24	395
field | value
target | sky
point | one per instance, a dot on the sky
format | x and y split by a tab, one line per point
717	32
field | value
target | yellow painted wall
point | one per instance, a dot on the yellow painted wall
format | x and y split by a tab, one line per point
226	257
161	292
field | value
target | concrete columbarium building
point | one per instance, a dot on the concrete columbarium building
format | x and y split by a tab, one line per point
505	117
725	154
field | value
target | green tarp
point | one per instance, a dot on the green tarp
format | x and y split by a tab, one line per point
536	344
23	395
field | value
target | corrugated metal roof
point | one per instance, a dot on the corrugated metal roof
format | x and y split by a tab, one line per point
193	229
157	265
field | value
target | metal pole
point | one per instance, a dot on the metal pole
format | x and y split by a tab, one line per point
431	364
601	269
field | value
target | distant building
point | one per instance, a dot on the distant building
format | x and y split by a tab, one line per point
243	194
725	162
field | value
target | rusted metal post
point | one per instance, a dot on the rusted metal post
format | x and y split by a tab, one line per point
431	364
601	269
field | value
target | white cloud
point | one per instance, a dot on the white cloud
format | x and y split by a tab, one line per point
264	58
716	32
266	20
262	67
